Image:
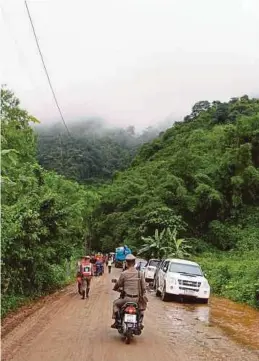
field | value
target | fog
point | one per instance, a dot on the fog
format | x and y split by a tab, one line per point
130	62
96	127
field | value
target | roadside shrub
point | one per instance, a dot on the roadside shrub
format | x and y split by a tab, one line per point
11	302
233	276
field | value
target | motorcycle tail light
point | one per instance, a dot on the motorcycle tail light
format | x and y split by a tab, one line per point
130	310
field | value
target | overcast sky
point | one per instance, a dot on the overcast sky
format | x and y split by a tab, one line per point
129	61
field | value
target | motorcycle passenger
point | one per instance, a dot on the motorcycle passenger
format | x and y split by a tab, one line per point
86	271
132	283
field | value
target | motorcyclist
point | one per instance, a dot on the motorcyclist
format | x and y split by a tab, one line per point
99	267
133	285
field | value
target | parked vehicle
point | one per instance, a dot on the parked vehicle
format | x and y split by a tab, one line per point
181	278
158	267
150	269
130	322
141	266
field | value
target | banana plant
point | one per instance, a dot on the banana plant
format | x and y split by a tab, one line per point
154	246
176	247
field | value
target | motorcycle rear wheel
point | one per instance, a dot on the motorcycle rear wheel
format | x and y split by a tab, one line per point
128	338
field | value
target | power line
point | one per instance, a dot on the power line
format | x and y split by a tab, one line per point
51	87
21	56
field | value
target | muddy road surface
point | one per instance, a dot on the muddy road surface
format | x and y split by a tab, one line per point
65	328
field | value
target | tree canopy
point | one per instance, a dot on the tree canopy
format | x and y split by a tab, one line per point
201	173
43	215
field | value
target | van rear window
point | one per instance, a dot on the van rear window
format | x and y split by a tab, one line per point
153	263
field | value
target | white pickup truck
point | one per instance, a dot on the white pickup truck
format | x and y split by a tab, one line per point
181	278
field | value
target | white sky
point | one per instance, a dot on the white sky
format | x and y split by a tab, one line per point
129	61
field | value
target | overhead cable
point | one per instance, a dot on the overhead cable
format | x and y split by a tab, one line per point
46	71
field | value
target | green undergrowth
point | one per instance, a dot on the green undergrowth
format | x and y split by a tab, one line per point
233	275
61	276
11	303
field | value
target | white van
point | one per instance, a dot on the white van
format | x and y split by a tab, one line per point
151	269
182	278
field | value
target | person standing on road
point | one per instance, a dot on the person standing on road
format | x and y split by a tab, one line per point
109	265
133	285
86	271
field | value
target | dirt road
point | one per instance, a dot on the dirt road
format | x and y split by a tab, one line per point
66	328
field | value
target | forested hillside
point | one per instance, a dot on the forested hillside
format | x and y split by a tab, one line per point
43	216
93	153
201	176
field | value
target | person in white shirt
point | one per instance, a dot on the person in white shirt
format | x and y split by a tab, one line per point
109	265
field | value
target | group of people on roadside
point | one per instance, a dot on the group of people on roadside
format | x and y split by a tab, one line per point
87	267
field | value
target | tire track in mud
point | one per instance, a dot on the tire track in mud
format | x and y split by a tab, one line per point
67	328
15	318
41	322
33	324
199	339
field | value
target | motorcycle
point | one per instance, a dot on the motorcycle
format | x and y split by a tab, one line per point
99	270
130	319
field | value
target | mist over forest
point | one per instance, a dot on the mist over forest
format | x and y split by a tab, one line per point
94	150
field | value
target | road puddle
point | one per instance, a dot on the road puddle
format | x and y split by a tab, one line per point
240	322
